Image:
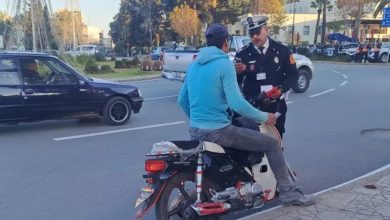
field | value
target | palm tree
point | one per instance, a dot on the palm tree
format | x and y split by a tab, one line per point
380	6
323	27
318	5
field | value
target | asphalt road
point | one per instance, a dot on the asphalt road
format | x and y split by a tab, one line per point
86	170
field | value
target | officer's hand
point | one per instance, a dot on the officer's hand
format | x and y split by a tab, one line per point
271	119
274	93
240	67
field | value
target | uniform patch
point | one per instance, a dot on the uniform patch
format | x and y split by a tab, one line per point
252	67
292	60
276	59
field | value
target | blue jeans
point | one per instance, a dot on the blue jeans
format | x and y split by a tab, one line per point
247	137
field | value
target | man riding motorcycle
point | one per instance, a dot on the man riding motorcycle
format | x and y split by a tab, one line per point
210	89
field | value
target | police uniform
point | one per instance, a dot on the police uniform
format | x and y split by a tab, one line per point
269	67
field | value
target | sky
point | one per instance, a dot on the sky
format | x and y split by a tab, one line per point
97	13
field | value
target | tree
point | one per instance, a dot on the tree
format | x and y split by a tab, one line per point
274	9
228	11
325	2
184	21
63	21
5	27
380	6
138	22
353	11
317	4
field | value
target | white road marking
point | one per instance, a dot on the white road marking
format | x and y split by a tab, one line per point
335	71
344	83
345	76
117	131
290	102
321	192
145	80
322	93
162	97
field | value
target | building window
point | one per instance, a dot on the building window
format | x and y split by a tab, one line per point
306	30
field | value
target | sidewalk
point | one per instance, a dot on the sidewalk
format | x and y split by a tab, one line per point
362	199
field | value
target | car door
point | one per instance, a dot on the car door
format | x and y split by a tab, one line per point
11	100
55	95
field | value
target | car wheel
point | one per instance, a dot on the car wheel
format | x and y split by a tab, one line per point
384	58
117	111
303	81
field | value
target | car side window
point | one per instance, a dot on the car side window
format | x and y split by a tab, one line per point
63	75
8	72
42	71
34	72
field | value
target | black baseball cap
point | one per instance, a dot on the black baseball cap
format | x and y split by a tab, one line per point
217	31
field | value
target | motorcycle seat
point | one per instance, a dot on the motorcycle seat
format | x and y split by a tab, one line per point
207	146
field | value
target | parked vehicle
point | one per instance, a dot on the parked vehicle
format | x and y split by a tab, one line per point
202	180
384	52
55	90
177	62
84	50
348	47
158	52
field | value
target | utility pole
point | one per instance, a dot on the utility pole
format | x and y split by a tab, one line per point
150	23
73	24
33	25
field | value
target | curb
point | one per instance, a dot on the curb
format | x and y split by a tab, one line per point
328	196
352	63
137	78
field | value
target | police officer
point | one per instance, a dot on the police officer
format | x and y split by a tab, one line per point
265	65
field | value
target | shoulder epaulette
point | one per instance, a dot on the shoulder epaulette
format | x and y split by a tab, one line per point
243	48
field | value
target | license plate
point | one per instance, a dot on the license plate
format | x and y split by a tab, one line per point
145	194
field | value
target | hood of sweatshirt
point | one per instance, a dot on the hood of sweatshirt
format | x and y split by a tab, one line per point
211	53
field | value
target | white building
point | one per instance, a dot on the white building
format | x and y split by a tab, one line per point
306	19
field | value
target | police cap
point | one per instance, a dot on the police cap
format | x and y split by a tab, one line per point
254	23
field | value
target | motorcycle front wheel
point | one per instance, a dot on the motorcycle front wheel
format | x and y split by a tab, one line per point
178	196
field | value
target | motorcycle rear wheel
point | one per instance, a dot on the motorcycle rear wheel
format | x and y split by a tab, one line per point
178	207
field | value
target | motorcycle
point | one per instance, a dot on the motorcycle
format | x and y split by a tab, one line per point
203	180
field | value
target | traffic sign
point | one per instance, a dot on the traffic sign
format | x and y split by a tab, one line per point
386	16
386	23
386	10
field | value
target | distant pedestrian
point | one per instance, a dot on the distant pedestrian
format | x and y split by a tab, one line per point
359	54
336	48
376	50
366	51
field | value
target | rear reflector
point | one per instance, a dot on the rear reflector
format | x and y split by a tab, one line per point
154	165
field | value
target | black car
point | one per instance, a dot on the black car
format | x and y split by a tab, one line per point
37	86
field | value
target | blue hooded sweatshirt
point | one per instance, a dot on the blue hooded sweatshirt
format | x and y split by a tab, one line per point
210	88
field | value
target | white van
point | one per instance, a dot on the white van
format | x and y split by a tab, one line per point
84	50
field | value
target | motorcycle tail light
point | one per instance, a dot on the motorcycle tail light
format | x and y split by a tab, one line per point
155	165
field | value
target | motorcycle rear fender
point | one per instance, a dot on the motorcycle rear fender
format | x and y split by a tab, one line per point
161	183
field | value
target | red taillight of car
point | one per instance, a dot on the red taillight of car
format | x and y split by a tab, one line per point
155	165
194	56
